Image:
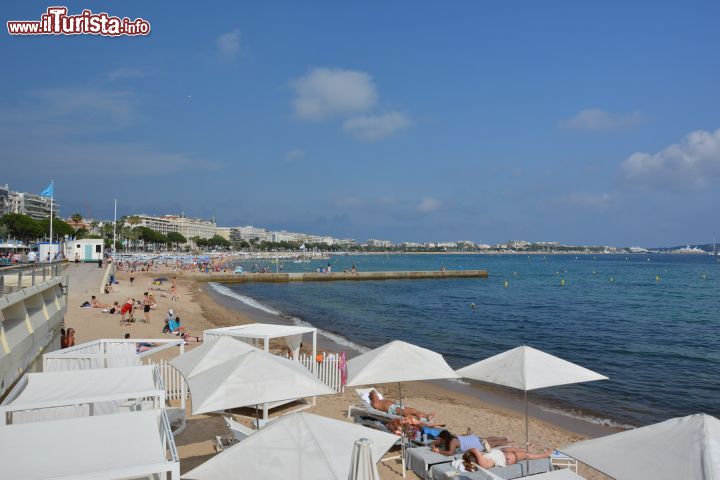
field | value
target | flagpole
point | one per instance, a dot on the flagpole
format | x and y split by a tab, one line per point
52	196
114	227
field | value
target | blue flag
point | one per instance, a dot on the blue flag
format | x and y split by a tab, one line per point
49	191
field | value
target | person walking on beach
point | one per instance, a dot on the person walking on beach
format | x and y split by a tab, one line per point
147	303
70	338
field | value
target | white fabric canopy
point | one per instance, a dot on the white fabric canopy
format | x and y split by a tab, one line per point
362	466
526	368
683	447
69	394
64	388
261	330
209	355
107	447
300	446
397	362
253	378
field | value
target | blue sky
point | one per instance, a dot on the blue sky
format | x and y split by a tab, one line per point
579	122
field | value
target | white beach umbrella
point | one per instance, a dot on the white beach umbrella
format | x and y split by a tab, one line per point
683	447
209	355
298	446
397	362
362	465
526	368
251	378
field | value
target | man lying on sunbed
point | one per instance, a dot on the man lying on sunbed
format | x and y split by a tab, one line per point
393	408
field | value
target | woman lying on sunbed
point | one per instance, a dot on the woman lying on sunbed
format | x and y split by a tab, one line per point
411	426
393	408
449	444
499	457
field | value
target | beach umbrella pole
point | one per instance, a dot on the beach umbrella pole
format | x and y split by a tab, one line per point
527	438
402	432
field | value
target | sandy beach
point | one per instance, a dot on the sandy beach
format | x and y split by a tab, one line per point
199	311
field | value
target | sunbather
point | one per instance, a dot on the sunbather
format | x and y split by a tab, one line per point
393	408
449	444
94	303
499	457
411	425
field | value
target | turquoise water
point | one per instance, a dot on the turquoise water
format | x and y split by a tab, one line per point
649	322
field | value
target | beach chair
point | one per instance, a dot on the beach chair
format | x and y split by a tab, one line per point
365	411
238	432
448	471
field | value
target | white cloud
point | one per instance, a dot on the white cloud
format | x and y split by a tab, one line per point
350	201
375	127
324	92
295	154
597	120
123	159
68	111
125	73
229	44
691	164
591	200
428	204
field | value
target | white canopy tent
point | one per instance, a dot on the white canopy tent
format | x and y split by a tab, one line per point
526	368
247	379
70	394
683	447
106	353
300	446
257	333
108	447
399	362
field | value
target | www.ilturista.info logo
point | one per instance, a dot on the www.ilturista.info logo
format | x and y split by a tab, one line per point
56	21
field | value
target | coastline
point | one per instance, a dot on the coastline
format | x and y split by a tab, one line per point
201	309
211	298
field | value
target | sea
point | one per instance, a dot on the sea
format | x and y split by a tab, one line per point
651	323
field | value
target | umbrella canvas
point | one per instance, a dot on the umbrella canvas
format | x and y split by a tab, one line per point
299	446
684	447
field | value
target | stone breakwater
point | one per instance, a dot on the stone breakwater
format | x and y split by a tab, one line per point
333	276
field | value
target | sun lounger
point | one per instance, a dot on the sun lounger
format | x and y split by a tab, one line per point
238	432
446	471
365	410
422	459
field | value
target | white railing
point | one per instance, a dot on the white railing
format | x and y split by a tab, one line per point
174	382
328	371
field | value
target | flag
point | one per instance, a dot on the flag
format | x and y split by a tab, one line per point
49	191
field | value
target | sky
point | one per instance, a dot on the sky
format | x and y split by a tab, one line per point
578	122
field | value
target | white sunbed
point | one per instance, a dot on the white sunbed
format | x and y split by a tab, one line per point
238	432
365	411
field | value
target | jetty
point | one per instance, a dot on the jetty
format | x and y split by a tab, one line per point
333	276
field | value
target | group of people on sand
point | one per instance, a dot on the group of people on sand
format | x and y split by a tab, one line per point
486	452
67	337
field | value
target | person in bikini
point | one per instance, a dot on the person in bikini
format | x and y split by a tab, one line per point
499	457
394	408
449	444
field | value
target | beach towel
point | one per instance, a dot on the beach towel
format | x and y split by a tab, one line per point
342	365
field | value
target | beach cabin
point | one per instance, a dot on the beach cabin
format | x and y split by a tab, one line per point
88	249
47	250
